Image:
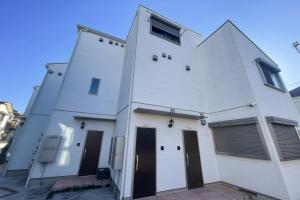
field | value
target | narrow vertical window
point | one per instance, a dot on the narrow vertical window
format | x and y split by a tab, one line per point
94	86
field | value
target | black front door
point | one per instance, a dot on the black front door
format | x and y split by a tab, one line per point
91	151
192	158
145	163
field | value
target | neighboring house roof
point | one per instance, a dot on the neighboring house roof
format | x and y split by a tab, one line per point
295	92
6	107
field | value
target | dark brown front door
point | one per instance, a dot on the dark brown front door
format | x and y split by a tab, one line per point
91	151
145	163
192	159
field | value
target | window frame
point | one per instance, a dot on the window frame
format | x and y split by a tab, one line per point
91	83
240	122
168	24
281	121
275	69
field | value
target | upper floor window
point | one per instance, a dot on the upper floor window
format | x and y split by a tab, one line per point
165	30
270	75
94	86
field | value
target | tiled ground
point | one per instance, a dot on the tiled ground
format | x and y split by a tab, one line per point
79	181
93	194
209	192
12	188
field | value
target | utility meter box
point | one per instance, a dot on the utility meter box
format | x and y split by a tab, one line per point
49	148
116	152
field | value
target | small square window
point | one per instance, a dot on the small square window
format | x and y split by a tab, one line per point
270	75
94	86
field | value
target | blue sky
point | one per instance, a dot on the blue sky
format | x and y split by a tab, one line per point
35	32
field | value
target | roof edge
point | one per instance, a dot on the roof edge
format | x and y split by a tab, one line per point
94	31
57	63
239	30
170	20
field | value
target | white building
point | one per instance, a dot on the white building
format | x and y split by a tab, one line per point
191	111
6	115
39	109
295	94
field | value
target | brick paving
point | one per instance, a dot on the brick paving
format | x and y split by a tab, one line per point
216	191
79	182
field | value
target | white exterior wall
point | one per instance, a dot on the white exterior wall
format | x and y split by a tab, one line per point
90	59
27	137
69	155
297	103
124	104
222	82
226	90
271	102
154	82
167	83
31	101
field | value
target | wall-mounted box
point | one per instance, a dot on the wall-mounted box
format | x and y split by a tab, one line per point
49	149
116	152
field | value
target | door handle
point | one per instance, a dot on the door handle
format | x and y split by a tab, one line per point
137	162
187	160
84	152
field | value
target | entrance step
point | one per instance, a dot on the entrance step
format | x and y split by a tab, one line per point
79	183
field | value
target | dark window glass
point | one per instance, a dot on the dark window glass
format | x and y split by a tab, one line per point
271	75
165	30
94	86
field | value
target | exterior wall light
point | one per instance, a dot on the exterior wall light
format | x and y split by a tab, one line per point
171	123
82	125
154	58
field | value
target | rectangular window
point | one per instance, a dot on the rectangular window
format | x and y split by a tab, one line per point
285	137
165	30
94	86
270	75
239	138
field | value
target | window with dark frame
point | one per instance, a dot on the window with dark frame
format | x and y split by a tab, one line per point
270	75
241	139
165	30
94	86
285	137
